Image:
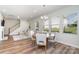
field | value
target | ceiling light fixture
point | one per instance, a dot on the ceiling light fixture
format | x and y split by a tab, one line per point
44	17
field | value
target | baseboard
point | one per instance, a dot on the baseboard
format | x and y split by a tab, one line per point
68	44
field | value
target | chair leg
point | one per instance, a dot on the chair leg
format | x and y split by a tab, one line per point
33	42
36	48
54	45
45	49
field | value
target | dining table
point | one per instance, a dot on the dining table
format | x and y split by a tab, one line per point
47	38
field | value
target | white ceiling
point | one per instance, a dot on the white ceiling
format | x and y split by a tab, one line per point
27	11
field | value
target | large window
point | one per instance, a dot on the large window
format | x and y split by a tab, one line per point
46	25
70	24
53	24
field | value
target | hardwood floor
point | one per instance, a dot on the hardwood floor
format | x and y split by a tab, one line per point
25	46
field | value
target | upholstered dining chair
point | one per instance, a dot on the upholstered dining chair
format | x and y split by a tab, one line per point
41	40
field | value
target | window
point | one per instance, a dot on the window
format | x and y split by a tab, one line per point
70	24
55	24
46	25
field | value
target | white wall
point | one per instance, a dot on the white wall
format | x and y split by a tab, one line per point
68	39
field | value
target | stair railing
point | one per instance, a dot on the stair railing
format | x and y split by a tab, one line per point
11	29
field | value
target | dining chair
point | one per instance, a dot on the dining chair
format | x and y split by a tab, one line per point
41	40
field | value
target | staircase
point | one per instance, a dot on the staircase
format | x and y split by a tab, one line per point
10	27
20	27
